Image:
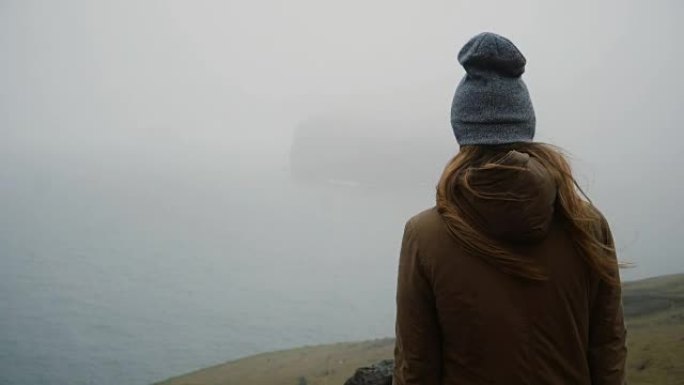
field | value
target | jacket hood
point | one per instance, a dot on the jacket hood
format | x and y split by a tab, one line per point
511	199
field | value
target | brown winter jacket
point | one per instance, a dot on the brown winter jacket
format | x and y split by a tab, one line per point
460	321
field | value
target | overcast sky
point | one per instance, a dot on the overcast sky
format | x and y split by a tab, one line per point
230	81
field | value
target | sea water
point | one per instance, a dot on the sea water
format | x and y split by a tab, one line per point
132	276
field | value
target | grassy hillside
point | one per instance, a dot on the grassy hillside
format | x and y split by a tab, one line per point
655	325
655	320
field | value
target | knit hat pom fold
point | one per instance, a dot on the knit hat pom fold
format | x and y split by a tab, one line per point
488	51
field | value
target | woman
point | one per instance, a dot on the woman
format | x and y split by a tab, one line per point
512	277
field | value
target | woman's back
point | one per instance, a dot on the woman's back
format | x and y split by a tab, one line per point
489	327
511	278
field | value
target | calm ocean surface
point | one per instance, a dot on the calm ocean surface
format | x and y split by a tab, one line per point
120	275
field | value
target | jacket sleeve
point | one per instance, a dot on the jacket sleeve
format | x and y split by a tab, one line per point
417	351
607	334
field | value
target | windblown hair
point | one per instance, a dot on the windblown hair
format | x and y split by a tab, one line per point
583	222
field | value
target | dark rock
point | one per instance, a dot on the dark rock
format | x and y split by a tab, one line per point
376	374
643	364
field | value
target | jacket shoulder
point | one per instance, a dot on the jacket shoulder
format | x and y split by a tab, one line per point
428	221
602	227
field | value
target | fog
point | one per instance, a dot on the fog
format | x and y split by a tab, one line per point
184	183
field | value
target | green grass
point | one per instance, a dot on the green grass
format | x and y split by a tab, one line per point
655	327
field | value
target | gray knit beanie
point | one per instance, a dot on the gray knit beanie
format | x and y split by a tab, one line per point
491	104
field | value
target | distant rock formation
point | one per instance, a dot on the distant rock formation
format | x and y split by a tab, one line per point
376	374
395	140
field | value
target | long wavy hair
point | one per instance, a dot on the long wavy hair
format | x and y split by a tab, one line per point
582	220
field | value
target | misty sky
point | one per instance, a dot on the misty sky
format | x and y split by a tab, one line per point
219	87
